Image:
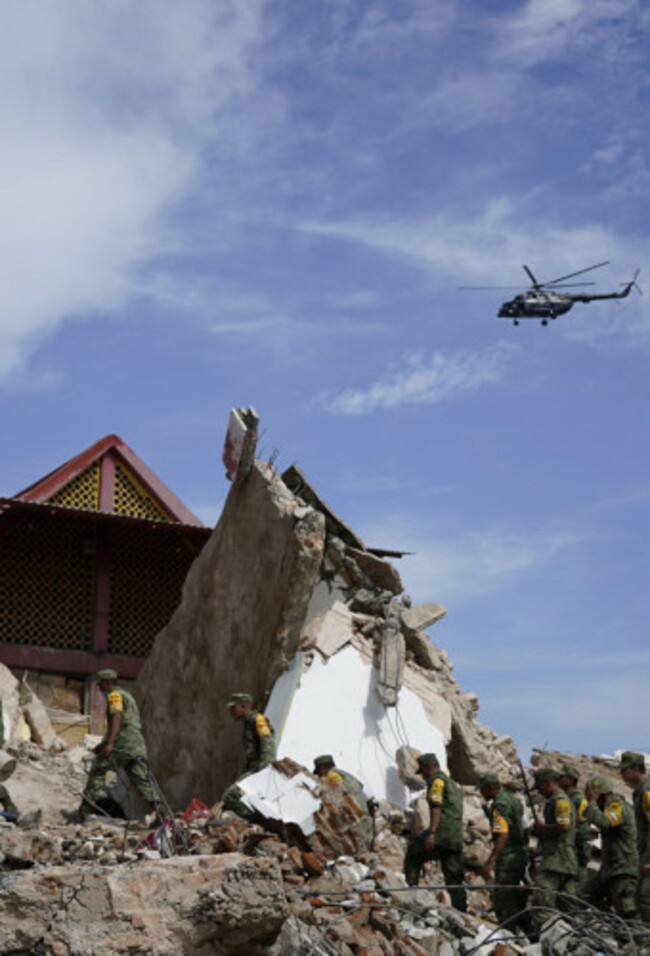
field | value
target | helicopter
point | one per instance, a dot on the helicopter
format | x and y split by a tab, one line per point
542	300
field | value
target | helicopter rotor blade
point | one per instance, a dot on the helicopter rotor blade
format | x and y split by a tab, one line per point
571	285
598	265
531	277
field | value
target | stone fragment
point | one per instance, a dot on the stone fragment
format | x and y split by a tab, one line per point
421	616
391	662
39	724
179	905
381	572
10	703
329	631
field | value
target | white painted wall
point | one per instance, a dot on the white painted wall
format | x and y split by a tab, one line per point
333	708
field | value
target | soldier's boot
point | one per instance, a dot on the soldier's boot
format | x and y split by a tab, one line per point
80	815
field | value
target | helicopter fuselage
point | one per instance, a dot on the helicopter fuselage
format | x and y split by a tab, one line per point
536	305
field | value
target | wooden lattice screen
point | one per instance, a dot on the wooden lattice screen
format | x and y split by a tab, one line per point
82	492
159	564
131	499
47	582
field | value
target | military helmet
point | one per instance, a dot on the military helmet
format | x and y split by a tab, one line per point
566	770
488	778
325	760
544	774
601	784
632	758
107	674
239	698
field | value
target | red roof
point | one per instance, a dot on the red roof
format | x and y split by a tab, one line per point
109	451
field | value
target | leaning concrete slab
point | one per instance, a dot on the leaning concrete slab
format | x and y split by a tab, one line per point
337	701
237	627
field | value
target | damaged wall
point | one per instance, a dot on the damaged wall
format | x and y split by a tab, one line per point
238	625
280	573
332	691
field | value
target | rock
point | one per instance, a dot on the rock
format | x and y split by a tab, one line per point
37	720
10	703
180	905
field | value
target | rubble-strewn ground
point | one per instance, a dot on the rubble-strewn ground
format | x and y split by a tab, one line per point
233	887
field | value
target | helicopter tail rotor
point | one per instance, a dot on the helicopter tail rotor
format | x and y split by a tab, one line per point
632	284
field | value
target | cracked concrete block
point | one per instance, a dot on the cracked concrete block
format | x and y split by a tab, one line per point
421	616
238	626
227	904
39	723
10	704
330	631
381	572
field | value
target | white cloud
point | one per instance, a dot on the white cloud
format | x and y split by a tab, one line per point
443	377
545	30
488	246
104	112
458	568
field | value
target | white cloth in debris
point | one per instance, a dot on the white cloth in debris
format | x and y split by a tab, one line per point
277	797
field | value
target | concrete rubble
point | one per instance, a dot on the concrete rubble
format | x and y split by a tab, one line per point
328	605
103	888
233	887
286	602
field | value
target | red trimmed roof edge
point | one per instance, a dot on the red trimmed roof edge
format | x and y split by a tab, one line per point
45	488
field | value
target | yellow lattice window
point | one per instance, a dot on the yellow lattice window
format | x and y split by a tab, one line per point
82	492
46	582
130	498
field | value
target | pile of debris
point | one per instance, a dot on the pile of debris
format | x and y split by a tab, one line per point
207	881
287	603
230	887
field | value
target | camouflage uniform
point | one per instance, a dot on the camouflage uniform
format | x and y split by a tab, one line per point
259	751
641	797
615	882
129	753
583	843
342	776
442	792
555	878
259	743
505	815
9	808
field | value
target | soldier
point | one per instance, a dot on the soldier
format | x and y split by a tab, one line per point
7	767
555	878
614	884
9	810
632	769
259	749
443	839
324	768
507	861
122	748
568	780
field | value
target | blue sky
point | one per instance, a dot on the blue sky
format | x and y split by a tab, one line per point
221	203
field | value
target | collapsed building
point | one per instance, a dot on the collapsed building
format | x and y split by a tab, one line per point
286	602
